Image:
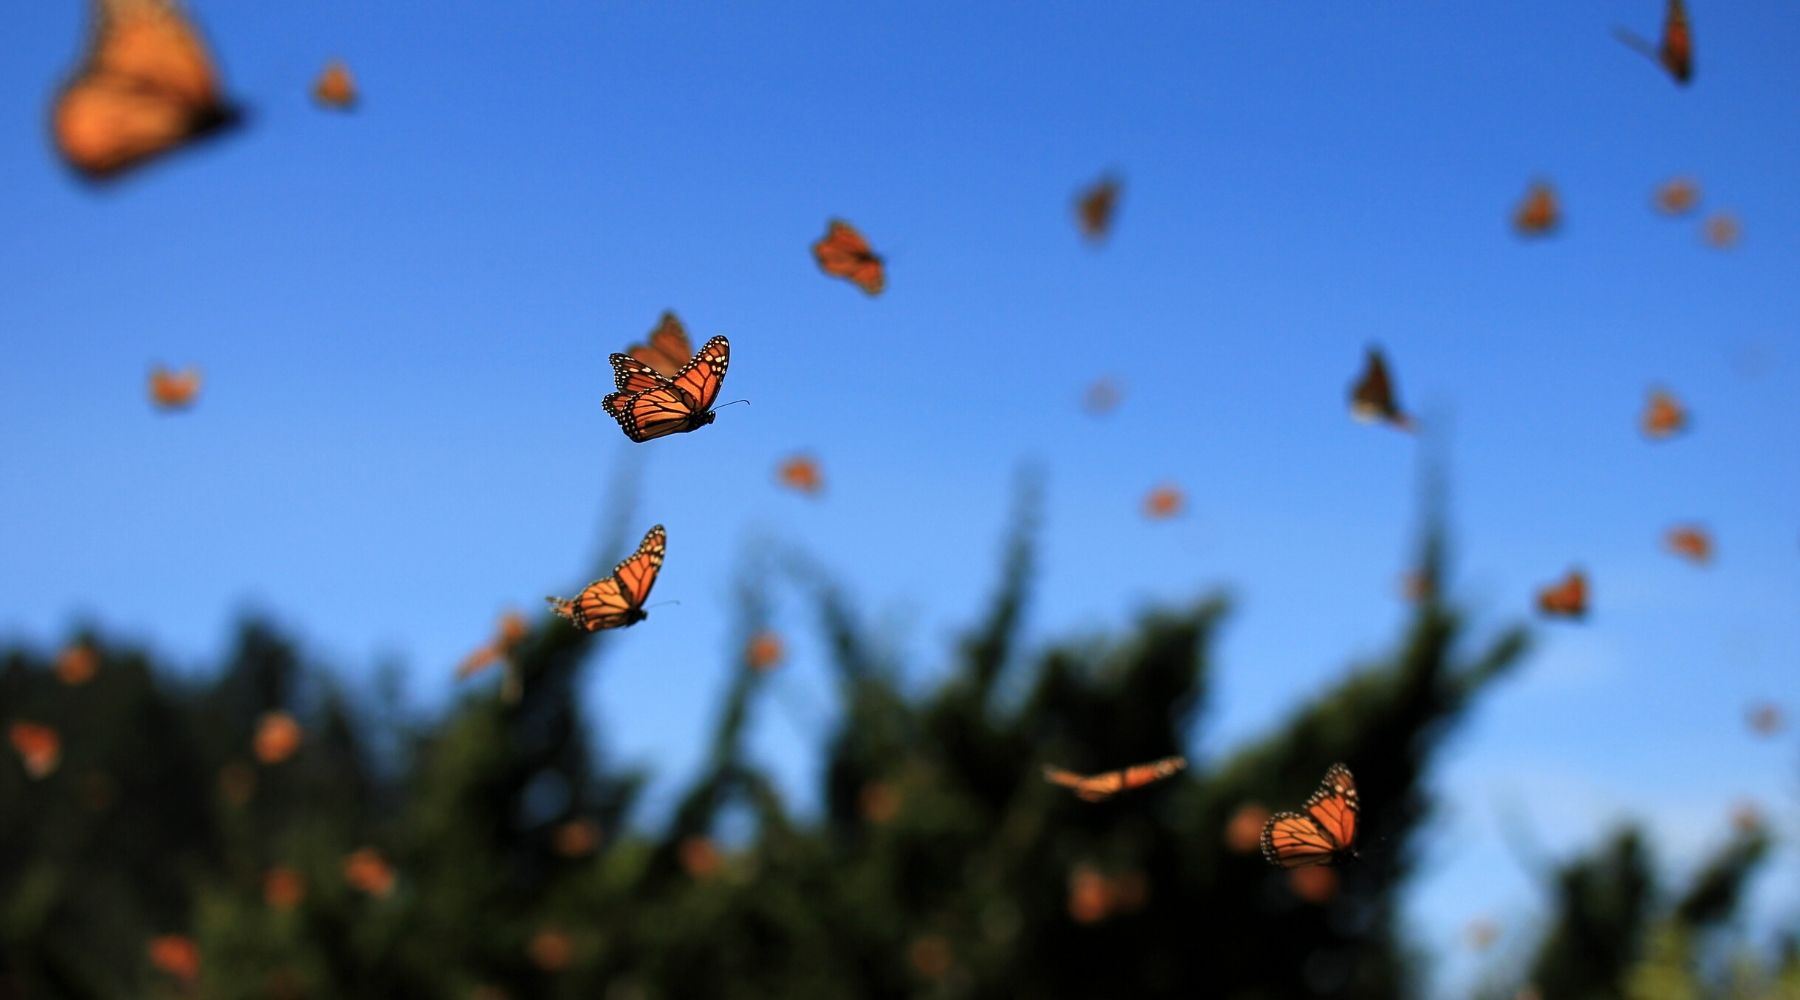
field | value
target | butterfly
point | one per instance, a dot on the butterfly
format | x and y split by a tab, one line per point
1324	833
764	651
1664	416
1100	787
617	600
1538	213
1094	208
1372	396
175	954
335	87
172	390
1163	502
666	348
1103	395
511	632
1677	196
1691	542
1676	53
77	664
843	253
278	735
801	474
1721	231
1567	598
39	747
650	405
146	86
1765	718
368	872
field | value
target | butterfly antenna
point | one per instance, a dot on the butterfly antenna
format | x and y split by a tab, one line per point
734	402
659	604
1637	43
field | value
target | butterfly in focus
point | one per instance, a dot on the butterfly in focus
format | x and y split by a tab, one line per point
617	600
1567	598
843	253
1691	542
1721	231
1539	212
146	86
665	348
1164	502
650	405
1664	416
1094	208
172	390
335	88
1677	196
801	474
39	747
1323	832
1372	396
1100	787
1675	54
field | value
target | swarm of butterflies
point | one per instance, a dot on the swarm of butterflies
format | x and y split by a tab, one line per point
147	86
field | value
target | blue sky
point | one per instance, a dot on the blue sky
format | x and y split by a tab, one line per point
404	314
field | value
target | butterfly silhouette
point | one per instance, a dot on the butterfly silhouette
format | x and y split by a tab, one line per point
1664	416
1324	833
665	348
1372	396
335	87
650	405
1095	207
1676	52
1100	787
617	600
1539	213
1567	598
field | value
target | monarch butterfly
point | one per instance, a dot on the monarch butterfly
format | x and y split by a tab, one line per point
1163	502
843	253
1095	206
576	838
550	950
145	86
39	747
1676	53
511	632
801	473
277	737
1103	395
171	390
1372	395
618	600
1765	719
1567	598
77	664
649	405
1100	787
366	871
175	954
1721	231
1691	542
283	888
666	348
1324	833
1664	416
1539	213
335	88
1677	196
764	651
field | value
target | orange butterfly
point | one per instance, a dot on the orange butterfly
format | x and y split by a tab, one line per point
1372	396
39	747
175	954
843	253
1664	416
1324	834
650	405
618	600
146	86
764	651
1539	213
77	664
366	871
283	888
1690	541
335	87
801	473
512	631
1722	231
1094	208
277	737
1677	196
550	949
1100	787
1676	53
1163	502
666	348
170	390
576	838
1565	599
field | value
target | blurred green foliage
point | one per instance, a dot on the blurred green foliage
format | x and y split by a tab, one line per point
939	863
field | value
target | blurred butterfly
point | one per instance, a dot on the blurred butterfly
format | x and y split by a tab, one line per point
1676	53
507	637
1324	833
1372	396
1677	196
801	474
1721	231
618	600
39	747
1664	416
278	735
1690	542
1567	598
1765	719
1094	208
1163	502
1539	213
764	651
145	86
335	88
649	405
171	390
843	253
77	664
175	954
1100	787
1103	395
666	348
366	871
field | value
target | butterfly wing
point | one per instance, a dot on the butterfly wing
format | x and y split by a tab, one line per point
1334	806
704	374
1677	52
637	574
633	375
844	253
1139	775
653	413
666	349
1296	840
1090	787
147	86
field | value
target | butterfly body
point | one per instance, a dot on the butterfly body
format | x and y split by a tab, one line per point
649	404
617	600
1323	832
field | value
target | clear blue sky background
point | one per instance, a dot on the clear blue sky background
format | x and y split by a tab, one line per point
404	315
